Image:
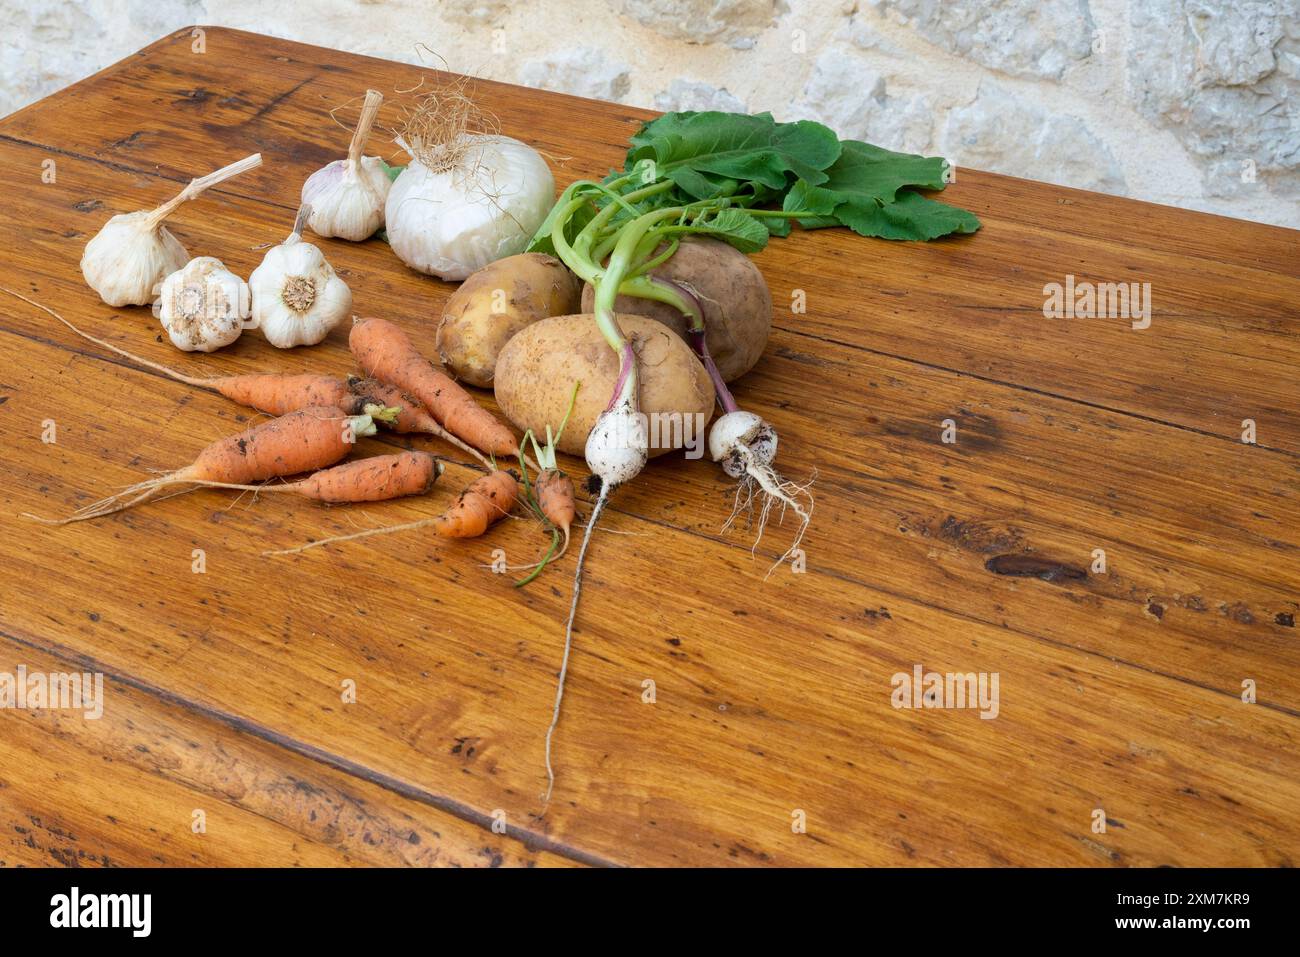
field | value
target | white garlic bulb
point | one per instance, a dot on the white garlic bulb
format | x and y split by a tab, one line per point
347	196
203	306
460	206
126	260
297	297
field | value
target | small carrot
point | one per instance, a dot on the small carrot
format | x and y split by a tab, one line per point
488	499
385	352
273	394
411	417
378	478
555	495
551	495
553	487
302	441
485	501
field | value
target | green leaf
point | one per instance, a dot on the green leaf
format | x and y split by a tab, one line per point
866	172
700	152
867	189
734	226
392	172
778	226
541	241
910	216
819	222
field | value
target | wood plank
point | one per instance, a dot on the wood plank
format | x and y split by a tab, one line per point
744	723
121	789
1172	600
1120	691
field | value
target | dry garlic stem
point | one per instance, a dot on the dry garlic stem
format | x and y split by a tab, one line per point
297	297
134	252
347	196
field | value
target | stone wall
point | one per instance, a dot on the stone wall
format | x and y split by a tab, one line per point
1189	102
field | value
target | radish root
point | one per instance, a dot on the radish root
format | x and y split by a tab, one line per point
568	636
776	490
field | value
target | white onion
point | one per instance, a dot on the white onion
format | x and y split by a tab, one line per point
454	222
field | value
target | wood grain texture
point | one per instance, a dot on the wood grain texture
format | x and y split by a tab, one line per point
1119	691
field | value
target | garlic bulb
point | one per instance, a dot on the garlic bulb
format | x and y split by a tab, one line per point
297	298
134	252
203	306
347	196
459	206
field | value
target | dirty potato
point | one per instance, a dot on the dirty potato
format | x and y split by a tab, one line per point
537	370
495	303
736	301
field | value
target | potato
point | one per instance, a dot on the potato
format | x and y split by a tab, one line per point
538	367
495	303
737	304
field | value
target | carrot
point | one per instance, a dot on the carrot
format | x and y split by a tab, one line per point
555	495
411	416
550	496
301	441
282	394
485	501
375	479
272	393
385	352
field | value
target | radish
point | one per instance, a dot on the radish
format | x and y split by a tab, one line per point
743	443
739	179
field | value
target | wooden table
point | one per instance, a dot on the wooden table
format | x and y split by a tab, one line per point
1121	691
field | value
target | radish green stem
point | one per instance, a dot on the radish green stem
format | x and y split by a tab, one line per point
687	303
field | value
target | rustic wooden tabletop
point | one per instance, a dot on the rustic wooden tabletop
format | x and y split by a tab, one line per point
1102	535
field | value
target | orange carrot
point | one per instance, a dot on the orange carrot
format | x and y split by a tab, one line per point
375	479
385	352
482	504
301	441
411	415
282	394
485	501
555	495
272	393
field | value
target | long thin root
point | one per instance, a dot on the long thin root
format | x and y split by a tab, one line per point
118	502
407	526
568	636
